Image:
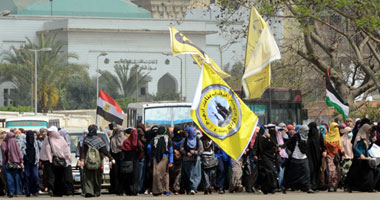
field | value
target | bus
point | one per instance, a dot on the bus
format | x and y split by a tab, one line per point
278	105
27	123
159	113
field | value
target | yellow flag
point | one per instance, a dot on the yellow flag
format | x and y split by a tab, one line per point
182	45
221	114
261	51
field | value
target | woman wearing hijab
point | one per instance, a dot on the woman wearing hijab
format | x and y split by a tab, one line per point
142	167
348	153
92	178
31	159
161	150
283	155
297	172
55	145
191	149
148	181
377	133
210	163
334	148
314	154
265	155
249	177
130	150
175	171
116	141
3	183
12	156
361	175
68	173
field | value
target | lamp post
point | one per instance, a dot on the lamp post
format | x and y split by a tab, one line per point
97	79
168	54
35	74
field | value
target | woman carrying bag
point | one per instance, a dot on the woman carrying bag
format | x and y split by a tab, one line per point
91	160
12	162
129	164
55	152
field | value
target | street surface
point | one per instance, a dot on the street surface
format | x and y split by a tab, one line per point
241	196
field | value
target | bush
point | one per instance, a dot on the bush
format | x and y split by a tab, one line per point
12	108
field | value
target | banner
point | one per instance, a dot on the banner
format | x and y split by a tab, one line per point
221	114
182	45
260	52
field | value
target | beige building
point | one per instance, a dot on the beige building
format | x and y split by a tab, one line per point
171	9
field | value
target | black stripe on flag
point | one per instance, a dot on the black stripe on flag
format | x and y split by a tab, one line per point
108	116
332	90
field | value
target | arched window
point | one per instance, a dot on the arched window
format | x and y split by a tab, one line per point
167	84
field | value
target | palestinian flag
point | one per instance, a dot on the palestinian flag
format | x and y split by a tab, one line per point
109	109
333	99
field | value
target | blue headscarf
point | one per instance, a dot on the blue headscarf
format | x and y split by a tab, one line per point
323	130
192	138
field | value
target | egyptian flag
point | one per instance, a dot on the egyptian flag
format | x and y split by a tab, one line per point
333	99
109	109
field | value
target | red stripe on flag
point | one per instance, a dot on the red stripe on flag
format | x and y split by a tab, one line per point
110	100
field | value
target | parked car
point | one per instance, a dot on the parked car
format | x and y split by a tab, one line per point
75	138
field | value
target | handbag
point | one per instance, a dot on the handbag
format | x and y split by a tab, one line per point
126	167
57	161
12	166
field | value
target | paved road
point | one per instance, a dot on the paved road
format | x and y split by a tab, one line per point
240	196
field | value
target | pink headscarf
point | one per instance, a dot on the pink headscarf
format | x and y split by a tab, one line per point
60	148
10	149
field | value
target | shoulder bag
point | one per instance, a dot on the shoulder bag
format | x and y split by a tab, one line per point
57	161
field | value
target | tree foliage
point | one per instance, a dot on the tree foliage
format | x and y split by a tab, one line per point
124	83
339	36
53	72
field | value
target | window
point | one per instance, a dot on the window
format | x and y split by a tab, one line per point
6	94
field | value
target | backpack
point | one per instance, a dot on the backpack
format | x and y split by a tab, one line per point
93	160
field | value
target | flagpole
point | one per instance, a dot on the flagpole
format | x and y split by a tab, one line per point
245	57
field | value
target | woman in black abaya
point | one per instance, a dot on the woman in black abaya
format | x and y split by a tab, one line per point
265	155
314	154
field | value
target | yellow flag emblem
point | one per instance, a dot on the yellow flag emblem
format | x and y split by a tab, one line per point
261	51
221	114
182	45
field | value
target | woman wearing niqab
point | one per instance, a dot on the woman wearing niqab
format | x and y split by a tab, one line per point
175	171
314	155
31	160
161	150
265	154
297	171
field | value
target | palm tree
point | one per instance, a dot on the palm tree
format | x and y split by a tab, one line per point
126	79
53	70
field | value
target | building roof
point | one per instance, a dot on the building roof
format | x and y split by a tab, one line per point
83	8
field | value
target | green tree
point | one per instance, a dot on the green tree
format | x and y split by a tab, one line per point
125	81
236	72
123	102
53	72
80	92
341	36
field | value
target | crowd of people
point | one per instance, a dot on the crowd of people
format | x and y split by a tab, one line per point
183	160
